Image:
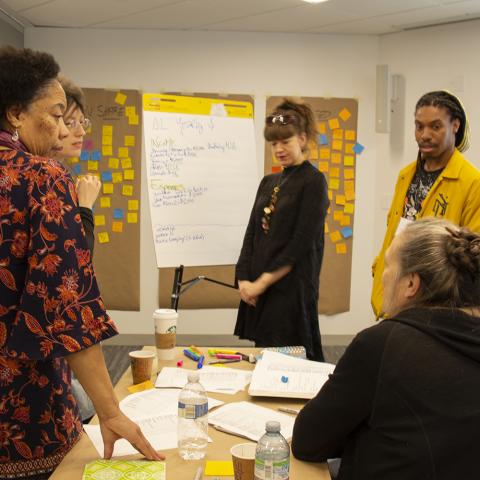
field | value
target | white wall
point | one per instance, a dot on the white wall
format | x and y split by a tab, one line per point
10	35
256	64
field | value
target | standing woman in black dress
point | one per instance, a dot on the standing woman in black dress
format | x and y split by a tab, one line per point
279	266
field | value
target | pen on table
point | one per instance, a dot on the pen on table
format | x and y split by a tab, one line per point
289	410
200	361
198	474
195	349
228	356
221	362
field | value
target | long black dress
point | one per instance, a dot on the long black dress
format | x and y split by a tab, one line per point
287	313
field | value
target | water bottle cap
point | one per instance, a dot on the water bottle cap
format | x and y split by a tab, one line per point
193	377
272	427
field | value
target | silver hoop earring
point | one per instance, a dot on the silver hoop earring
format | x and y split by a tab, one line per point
15	136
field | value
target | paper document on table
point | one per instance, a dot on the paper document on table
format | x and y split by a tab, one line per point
213	379
160	431
156	402
248	420
278	375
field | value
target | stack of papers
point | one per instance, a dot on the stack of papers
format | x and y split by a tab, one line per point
248	420
279	375
213	379
124	470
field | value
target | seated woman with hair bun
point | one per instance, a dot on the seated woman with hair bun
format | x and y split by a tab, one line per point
403	401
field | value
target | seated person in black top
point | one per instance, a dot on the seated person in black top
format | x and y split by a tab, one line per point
403	402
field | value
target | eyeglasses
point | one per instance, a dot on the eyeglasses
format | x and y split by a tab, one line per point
281	119
73	124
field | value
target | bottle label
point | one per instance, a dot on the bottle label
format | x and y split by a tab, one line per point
186	410
268	470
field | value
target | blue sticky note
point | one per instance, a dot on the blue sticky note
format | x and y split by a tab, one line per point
96	155
347	232
106	176
85	155
77	169
117	213
284	379
358	149
322	139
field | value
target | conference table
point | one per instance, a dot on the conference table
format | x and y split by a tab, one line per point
73	464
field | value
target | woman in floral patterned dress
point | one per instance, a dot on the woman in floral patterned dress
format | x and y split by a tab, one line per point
52	317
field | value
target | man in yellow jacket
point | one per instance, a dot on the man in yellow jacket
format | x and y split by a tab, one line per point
441	183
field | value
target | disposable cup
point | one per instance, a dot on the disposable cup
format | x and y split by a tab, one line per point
243	457
141	362
165	321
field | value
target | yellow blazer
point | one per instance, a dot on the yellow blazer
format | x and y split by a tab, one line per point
455	196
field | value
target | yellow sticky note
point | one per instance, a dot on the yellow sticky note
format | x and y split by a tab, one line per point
338	134
349	195
133	204
140	387
129	140
341	248
321	127
349	160
105	202
335	236
349	148
99	220
219	468
337	145
336	158
323	166
107	130
123	152
334	172
132	217
120	98
349	185
334	184
344	114
117	177
349	208
337	215
313	152
129	174
126	163
350	135
107	150
133	120
107	140
326	228
340	199
113	162
103	237
330	196
333	123
117	227
345	221
349	173
324	153
107	188
127	190
130	111
92	165
73	159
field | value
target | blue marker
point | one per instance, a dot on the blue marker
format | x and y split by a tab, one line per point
284	379
200	361
191	355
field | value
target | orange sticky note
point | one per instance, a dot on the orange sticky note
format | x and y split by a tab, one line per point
349	148
117	177
132	217
334	183
127	190
324	153
107	150
123	152
117	227
107	188
333	123
92	165
349	173
349	208
133	204
103	237
126	163
335	236
129	140
321	127
345	221
105	202
107	140
326	228
336	158
120	98
337	145
340	199
337	215
349	185
341	248
113	162
349	160
334	172
338	134
107	130
349	195
99	220
323	166
129	174
350	135
344	114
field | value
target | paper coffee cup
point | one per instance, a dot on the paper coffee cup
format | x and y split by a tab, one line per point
243	457
165	320
141	362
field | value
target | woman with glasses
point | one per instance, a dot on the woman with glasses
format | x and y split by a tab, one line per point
279	266
87	186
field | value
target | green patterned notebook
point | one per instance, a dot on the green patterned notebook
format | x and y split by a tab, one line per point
124	470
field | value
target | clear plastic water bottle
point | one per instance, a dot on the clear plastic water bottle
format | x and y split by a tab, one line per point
272	456
192	420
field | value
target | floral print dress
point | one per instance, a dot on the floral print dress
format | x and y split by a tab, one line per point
50	306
